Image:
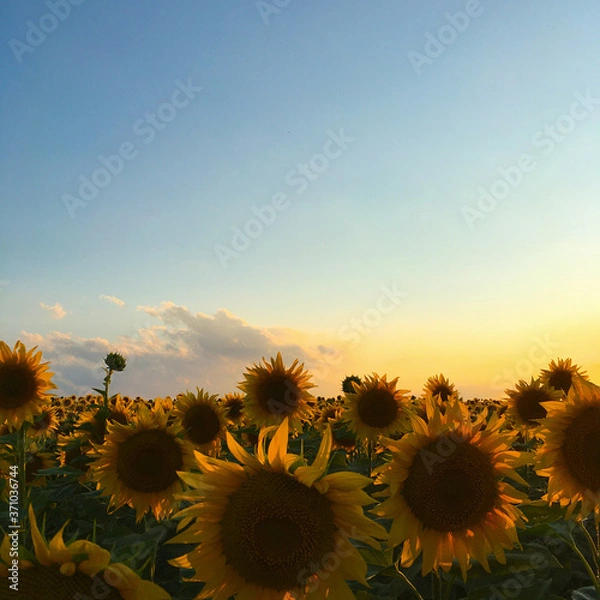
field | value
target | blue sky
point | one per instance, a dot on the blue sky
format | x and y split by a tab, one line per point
396	204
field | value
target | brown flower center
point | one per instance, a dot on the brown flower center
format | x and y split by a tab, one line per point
528	405
18	385
561	380
278	395
443	391
148	461
201	424
450	489
377	408
234	408
581	448
275	529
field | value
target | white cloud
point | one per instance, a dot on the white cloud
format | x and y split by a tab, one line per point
182	351
56	311
112	299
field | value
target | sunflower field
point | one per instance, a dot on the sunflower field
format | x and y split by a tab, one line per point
273	493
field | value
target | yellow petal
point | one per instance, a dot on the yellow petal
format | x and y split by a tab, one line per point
278	447
39	545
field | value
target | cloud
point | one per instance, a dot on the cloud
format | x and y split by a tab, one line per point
180	351
56	311
112	299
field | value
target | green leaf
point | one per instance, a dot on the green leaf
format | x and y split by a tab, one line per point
585	593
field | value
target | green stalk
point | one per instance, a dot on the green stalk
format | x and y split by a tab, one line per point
592	544
107	379
586	564
414	590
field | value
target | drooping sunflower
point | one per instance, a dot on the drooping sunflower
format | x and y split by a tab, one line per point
440	386
377	408
560	374
80	569
25	384
526	402
137	464
570	455
274	392
270	529
202	420
446	494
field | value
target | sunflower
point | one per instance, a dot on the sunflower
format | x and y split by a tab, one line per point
45	425
441	387
268	528
24	384
202	420
376	408
525	403
137	464
274	393
77	570
560	374
570	456
446	497
234	406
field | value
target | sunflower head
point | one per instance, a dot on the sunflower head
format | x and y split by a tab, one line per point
45	425
446	491
25	384
377	408
440	387
234	407
269	526
526	403
202	420
274	392
570	455
115	362
560	374
138	463
58	571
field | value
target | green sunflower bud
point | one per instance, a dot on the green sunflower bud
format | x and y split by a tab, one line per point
115	362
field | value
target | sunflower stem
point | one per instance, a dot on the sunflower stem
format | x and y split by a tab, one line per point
592	544
107	379
414	590
586	564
